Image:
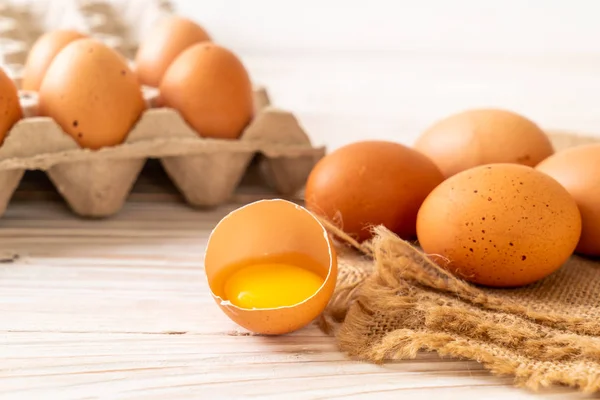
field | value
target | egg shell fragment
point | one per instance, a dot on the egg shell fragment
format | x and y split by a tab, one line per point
501	225
270	230
483	136
578	170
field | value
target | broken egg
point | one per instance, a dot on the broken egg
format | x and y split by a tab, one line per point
271	266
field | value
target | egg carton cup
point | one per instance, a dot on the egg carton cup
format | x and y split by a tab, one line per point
96	183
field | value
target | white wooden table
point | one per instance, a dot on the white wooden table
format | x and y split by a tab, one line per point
119	308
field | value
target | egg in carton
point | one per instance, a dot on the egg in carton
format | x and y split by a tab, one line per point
96	183
120	24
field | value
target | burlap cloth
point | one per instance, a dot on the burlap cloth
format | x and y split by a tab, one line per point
391	302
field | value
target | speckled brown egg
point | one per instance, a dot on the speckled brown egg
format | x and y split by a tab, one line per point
39	58
501	225
10	108
162	44
578	170
369	183
483	136
92	94
211	89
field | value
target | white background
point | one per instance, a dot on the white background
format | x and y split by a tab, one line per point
387	69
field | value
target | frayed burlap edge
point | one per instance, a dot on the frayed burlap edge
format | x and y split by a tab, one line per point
400	275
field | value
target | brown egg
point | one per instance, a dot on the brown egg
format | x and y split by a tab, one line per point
92	94
169	38
483	136
43	51
280	258
211	89
500	225
10	108
578	170
369	183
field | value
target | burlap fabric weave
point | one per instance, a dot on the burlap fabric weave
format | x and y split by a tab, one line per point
392	301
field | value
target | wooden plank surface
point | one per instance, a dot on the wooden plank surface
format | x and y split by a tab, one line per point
119	308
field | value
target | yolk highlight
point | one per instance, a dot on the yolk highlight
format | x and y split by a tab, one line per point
271	285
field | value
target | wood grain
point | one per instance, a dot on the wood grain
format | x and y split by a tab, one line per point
119	308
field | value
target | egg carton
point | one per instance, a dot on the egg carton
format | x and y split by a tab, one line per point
96	183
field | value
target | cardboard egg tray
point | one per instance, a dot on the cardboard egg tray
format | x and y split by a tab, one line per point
96	183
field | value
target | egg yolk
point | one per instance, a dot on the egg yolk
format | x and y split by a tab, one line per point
271	285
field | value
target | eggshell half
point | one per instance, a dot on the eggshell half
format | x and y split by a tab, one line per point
578	170
501	225
270	230
483	136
